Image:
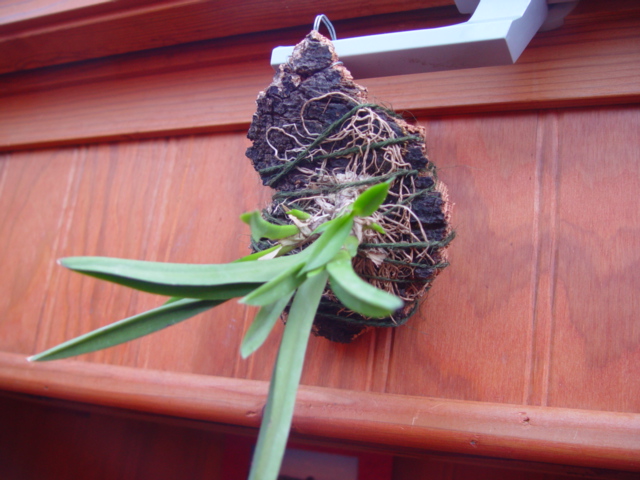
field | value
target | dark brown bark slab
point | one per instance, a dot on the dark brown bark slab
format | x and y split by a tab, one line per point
307	136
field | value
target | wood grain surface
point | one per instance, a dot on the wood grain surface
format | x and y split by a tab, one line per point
536	318
535	310
213	88
554	435
82	29
53	433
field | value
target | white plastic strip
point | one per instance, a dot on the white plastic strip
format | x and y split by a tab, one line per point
496	34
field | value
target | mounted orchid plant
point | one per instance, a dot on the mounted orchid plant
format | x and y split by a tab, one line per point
293	274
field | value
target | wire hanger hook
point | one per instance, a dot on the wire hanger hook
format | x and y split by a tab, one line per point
322	18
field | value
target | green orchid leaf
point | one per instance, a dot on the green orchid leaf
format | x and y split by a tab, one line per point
377	227
351	245
128	329
323	226
248	258
278	414
281	286
329	244
137	273
285	249
257	255
262	325
370	200
215	292
356	304
260	228
172	299
358	295
299	214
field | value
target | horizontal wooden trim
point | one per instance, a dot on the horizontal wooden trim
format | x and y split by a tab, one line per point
247	48
15	16
585	63
36	34
246	436
555	435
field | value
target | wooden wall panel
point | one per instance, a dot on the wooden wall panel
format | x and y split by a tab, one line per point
490	329
552	261
595	349
136	200
208	186
535	318
471	339
166	200
34	197
176	200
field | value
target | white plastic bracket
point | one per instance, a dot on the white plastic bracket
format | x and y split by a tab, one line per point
496	34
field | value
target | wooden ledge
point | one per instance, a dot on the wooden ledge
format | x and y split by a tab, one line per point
543	434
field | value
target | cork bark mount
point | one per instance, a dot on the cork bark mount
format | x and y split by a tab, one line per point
319	142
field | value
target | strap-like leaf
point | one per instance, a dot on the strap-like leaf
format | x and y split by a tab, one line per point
369	200
278	414
358	295
257	255
262	325
260	228
185	280
281	286
299	214
183	273
172	299
329	244
377	227
128	329
351	245
215	292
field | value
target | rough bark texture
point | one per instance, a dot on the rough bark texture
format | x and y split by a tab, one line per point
299	145
312	71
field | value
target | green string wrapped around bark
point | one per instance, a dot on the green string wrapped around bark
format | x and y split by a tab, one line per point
405	266
285	168
342	186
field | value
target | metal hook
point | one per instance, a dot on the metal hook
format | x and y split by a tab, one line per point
322	18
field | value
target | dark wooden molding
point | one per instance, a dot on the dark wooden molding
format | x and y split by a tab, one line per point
524	432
